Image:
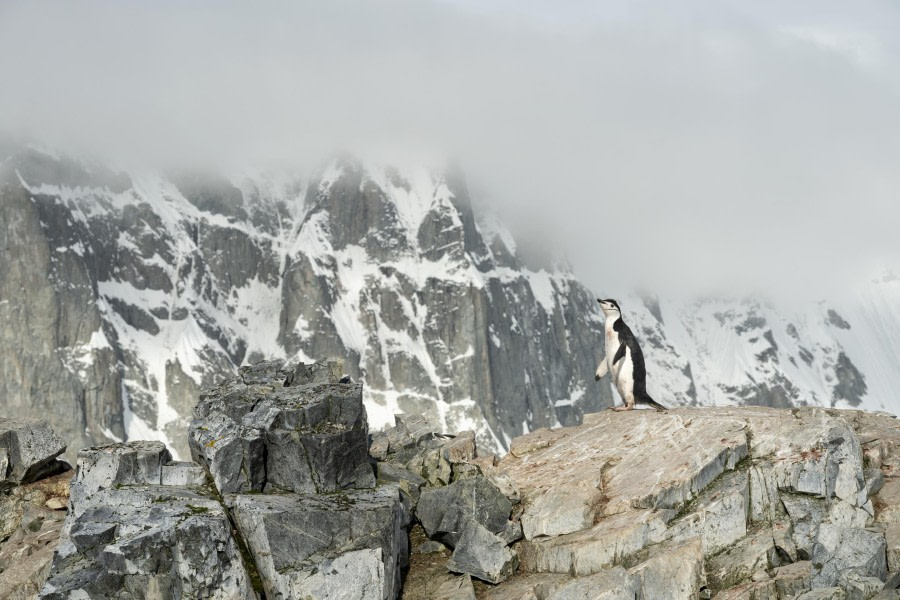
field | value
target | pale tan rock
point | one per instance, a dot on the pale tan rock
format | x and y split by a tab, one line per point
720	516
793	579
892	549
612	540
887	502
675	573
737	564
526	586
56	503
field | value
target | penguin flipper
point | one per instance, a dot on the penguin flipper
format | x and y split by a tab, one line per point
602	368
620	353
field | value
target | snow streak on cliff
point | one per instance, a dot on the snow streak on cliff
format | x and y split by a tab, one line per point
131	292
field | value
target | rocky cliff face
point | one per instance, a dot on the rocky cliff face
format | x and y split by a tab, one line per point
123	295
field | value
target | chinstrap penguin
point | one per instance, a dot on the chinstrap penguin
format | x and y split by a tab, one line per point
624	360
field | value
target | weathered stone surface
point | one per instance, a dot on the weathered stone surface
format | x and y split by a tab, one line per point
793	579
832	593
102	467
183	474
719	517
860	587
148	541
612	584
482	554
254	434
611	541
892	547
526	586
887	502
29	535
675	573
329	370
460	449
838	549
444	511
27	449
409	482
434	582
351	544
562	509
736	564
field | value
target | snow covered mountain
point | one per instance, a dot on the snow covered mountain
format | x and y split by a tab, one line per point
122	295
724	352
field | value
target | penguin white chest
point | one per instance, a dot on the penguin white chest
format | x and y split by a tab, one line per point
622	371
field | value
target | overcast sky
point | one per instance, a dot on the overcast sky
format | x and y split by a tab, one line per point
675	146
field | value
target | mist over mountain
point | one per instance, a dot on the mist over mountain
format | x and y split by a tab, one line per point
123	294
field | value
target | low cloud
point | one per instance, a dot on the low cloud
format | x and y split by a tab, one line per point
687	148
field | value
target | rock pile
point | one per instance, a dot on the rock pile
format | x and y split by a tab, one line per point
281	501
290	497
34	490
459	509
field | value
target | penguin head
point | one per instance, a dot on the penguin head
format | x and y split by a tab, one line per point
610	307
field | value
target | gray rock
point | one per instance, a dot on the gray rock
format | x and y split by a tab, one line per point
146	542
351	544
482	554
562	509
28	447
460	449
263	436
831	593
430	547
409	482
613	584
444	511
860	587
183	474
104	467
674	572
892	546
839	549
612	541
738	563
793	579
329	370
719	517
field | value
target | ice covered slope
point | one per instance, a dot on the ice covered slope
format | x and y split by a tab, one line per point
843	354
123	294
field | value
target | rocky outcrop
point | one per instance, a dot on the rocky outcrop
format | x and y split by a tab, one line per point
143	526
277	430
33	498
737	503
722	503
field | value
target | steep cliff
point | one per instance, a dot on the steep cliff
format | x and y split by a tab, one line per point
123	294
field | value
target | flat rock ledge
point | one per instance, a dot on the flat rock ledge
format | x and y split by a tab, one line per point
709	502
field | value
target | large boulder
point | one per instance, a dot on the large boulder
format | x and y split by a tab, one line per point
351	545
148	542
756	490
273	428
129	536
28	451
